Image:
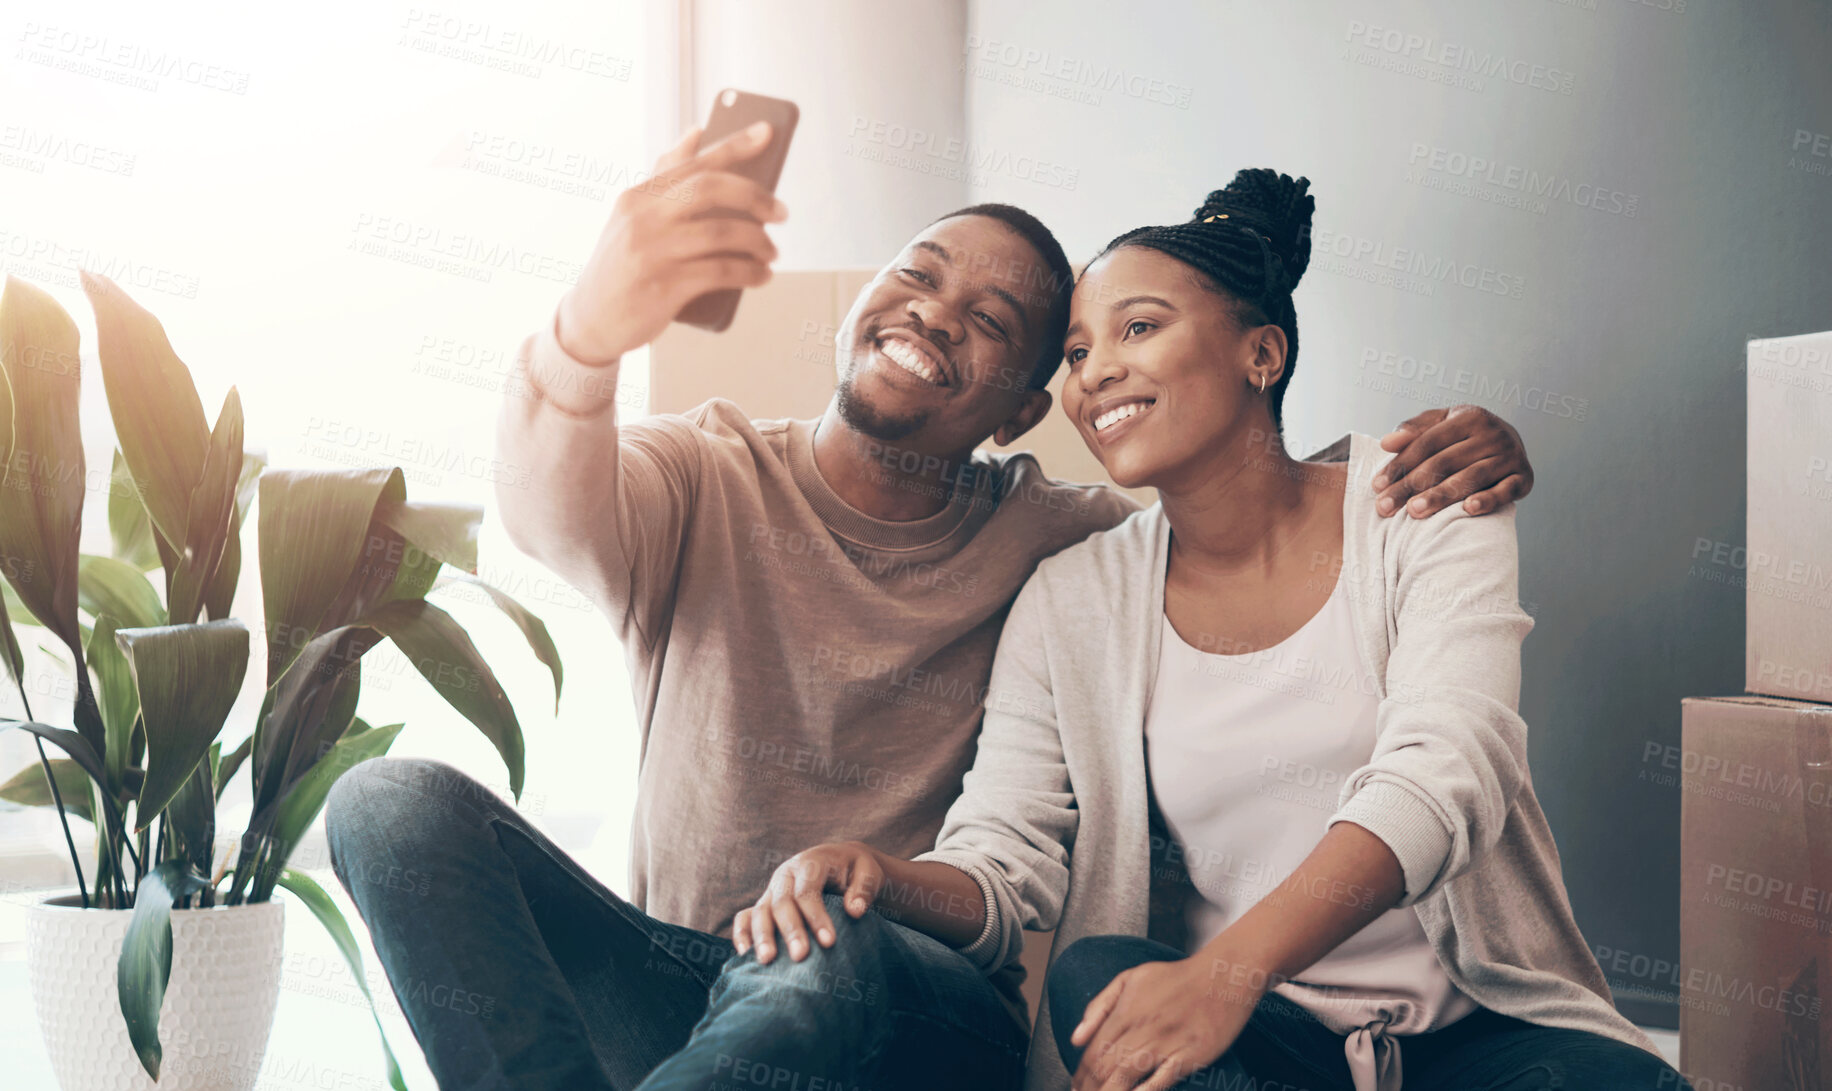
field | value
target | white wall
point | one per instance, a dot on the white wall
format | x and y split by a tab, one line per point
879	100
1618	358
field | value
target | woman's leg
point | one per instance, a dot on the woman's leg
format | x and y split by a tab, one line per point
1486	1051
514	967
1282	1045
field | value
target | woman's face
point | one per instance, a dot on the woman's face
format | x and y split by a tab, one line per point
1161	377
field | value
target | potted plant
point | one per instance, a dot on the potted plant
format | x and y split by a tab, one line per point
167	961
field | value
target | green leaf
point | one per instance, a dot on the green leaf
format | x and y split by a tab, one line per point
10	656
302	887
190	819
232	762
42	483
447	531
308	709
442	652
119	700
158	417
211	516
145	966
28	788
79	750
313	528
107	586
532	627
187	677
219	597
295	810
129	527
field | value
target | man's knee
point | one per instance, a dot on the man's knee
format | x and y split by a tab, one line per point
845	971
385	799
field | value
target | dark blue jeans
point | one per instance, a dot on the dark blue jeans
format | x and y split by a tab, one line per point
516	969
1284	1048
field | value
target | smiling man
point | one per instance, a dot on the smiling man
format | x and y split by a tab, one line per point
809	610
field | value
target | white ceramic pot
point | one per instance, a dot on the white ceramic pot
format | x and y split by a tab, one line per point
219	1004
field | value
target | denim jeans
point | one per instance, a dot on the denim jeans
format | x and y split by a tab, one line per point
516	969
1284	1048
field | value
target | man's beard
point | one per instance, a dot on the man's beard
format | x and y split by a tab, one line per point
864	418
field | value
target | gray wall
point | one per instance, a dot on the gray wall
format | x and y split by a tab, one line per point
1614	342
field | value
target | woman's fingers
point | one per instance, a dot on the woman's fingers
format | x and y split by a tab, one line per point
808	890
1096	1012
788	917
763	932
741	931
862	887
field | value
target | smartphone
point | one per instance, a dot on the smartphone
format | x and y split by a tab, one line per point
733	111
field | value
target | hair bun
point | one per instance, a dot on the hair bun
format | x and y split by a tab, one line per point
1276	206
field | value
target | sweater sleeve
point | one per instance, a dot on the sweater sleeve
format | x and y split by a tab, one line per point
1013	825
605	508
1450	749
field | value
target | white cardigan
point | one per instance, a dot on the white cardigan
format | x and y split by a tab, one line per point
1061	761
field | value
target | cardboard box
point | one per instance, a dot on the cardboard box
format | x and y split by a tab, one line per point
1755	894
1788	563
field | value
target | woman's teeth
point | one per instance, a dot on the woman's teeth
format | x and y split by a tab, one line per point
1119	413
899	352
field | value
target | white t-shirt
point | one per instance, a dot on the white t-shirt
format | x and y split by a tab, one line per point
1247	755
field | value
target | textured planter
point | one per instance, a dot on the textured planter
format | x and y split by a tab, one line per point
219	1005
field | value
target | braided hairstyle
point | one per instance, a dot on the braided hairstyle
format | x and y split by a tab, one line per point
1249	243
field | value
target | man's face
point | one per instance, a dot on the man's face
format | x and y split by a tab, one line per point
938	350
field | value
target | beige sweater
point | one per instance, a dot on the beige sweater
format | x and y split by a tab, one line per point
802	671
1061	764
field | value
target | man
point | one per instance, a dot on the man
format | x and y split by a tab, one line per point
809	611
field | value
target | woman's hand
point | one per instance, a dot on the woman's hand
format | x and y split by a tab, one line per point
792	902
1157	1024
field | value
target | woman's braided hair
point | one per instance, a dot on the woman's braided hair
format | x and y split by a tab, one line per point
1249	242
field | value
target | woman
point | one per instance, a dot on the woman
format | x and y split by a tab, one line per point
1275	729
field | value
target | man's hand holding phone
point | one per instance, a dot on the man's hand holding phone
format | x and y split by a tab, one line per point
692	228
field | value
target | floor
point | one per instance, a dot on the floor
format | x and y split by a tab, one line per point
322	1036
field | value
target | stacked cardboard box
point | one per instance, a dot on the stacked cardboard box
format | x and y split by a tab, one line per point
1756	815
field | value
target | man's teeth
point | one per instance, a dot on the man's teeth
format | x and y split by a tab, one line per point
1119	413
909	359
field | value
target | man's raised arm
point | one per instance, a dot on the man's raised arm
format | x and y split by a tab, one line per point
604	510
